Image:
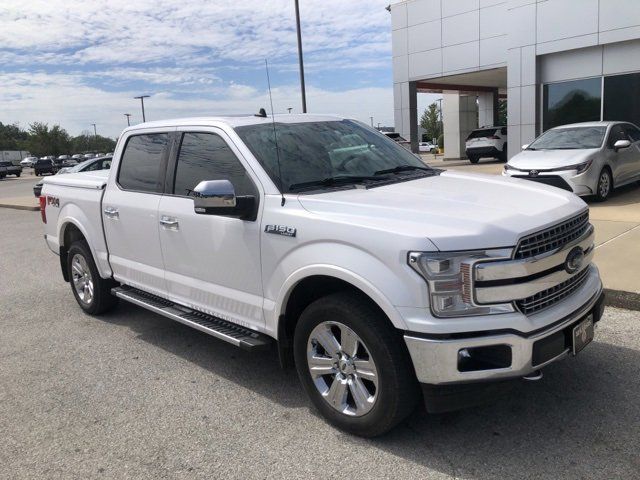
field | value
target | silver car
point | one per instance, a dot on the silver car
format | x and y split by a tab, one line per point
588	158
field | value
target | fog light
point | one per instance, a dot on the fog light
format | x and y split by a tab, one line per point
492	357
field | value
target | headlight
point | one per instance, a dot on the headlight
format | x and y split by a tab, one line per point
449	277
583	166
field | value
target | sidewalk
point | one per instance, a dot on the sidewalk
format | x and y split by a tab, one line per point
20	203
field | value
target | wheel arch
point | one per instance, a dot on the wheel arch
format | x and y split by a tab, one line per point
307	287
69	232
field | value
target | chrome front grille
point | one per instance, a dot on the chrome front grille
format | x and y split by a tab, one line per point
553	295
553	238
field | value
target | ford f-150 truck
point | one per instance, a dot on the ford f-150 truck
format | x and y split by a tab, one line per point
381	279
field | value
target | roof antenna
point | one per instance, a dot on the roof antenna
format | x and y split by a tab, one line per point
275	136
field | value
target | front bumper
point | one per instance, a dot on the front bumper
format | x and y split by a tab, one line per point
580	184
436	360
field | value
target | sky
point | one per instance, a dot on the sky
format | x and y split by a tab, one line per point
76	63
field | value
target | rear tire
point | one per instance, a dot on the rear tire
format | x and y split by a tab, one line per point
605	185
369	385
17	175
92	292
474	159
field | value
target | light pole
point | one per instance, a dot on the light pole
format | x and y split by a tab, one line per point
304	95
95	132
142	97
371	121
128	122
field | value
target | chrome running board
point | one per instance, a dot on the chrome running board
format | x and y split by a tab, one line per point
216	327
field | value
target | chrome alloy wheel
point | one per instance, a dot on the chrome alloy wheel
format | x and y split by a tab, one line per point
342	369
82	279
604	184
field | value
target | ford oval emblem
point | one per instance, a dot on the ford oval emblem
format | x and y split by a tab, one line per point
574	260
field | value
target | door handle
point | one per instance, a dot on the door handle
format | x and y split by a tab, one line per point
111	212
170	223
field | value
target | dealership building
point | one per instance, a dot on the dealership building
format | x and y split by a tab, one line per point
554	61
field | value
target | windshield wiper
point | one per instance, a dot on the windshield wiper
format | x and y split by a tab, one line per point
332	181
402	168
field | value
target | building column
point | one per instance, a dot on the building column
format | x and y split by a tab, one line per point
488	108
405	99
459	115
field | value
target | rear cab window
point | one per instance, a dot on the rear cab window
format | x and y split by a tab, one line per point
143	163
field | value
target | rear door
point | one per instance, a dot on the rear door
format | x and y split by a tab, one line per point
212	263
130	211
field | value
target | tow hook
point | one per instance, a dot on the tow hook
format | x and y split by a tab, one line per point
534	376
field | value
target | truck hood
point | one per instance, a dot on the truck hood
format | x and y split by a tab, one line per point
455	210
542	159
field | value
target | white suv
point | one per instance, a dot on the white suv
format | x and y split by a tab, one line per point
487	142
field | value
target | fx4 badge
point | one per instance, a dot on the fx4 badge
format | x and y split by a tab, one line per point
281	230
53	201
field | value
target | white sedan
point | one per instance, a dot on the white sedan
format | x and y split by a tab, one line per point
427	147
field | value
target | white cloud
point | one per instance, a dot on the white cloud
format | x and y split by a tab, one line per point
66	100
76	62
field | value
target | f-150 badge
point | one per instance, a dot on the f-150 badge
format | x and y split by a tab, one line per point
281	230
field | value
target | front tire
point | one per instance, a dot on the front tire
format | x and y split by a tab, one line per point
92	292
605	185
473	158
354	366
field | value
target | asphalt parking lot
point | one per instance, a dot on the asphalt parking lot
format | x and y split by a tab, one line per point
134	395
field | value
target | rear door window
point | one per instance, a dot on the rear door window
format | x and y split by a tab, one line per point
141	166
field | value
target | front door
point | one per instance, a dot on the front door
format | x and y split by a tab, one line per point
130	213
212	263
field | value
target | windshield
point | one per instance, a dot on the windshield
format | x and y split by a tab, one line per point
573	138
316	151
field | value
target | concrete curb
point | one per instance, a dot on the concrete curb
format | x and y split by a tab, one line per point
622	299
20	207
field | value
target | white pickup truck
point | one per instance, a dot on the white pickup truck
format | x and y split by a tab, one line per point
373	273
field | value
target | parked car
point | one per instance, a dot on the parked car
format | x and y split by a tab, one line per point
7	167
88	155
44	165
370	271
590	158
28	161
487	142
102	163
78	157
427	147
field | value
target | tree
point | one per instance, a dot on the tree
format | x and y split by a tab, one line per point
502	112
430	121
44	141
12	137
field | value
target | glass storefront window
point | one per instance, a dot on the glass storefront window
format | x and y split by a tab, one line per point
571	102
622	98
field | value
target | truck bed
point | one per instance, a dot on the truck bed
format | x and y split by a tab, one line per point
76	198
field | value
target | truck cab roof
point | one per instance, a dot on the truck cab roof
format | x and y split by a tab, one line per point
235	121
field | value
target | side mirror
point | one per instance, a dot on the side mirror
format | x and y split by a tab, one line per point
218	197
621	144
525	146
